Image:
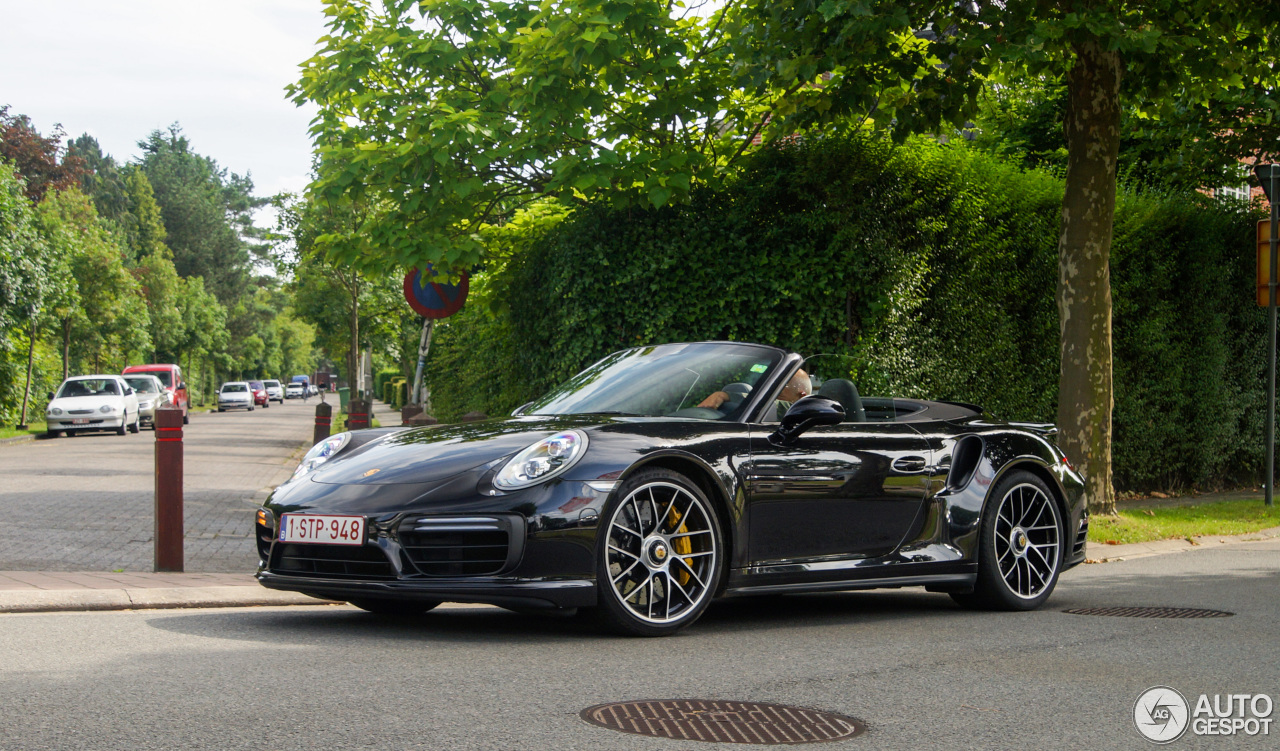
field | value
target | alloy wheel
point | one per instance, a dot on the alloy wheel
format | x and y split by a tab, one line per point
661	553
1027	540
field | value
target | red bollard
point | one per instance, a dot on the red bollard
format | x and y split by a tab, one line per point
358	414
324	418
168	533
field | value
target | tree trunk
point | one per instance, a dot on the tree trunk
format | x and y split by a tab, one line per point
66	348
353	350
1085	400
31	360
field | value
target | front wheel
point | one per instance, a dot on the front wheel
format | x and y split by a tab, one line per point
1020	548
124	425
137	423
395	607
659	555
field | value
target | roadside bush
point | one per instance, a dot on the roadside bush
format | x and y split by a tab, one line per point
933	265
382	378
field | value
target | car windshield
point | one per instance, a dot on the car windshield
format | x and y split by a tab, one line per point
165	376
272	384
665	380
142	385
89	387
257	385
234	388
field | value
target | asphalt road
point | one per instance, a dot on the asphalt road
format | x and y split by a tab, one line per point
921	673
86	503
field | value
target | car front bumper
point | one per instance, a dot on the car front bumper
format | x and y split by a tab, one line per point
540	594
96	422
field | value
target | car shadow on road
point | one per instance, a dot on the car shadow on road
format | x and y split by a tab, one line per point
478	624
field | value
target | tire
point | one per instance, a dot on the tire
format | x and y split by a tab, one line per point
250	407
186	417
53	433
395	607
124	428
659	546
1020	548
220	409
137	423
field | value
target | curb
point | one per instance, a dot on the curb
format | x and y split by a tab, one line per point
17	439
1162	547
61	600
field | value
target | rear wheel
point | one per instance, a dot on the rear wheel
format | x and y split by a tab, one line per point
659	555
1020	547
395	607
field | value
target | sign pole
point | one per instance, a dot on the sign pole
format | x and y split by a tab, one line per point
1269	176
1273	195
424	346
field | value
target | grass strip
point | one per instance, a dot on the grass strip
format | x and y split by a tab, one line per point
1178	522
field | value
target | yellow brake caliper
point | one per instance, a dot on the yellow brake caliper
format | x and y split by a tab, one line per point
682	545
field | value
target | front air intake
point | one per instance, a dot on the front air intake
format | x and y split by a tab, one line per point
462	545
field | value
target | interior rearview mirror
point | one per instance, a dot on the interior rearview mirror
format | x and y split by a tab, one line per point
807	413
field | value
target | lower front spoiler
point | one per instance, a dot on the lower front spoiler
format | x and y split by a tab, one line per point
548	595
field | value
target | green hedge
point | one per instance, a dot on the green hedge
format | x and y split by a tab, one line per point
382	378
935	266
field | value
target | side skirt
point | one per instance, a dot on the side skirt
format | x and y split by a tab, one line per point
935	582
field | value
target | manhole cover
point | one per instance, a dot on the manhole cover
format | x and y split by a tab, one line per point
724	721
1152	612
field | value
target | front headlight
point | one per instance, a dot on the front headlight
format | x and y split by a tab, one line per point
542	461
321	453
56	411
106	409
144	405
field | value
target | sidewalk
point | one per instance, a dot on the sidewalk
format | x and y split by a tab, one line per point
38	591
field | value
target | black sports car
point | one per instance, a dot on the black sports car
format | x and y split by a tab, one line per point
664	476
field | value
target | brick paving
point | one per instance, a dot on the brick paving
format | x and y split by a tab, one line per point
86	503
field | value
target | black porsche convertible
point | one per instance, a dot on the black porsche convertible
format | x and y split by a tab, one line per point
662	477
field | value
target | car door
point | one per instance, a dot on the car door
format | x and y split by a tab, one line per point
844	491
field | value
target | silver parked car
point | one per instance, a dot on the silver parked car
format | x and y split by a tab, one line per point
235	395
93	402
275	392
151	396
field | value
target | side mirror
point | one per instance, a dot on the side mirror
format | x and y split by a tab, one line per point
807	413
128	390
50	396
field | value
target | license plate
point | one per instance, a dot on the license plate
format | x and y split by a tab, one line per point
80	421
325	530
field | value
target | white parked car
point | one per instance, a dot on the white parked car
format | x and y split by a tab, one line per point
93	402
275	392
294	391
235	395
151	395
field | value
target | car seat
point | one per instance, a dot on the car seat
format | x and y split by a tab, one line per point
843	391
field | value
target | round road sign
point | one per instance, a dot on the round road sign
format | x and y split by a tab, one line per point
433	299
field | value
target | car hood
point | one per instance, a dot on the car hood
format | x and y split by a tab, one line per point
430	454
86	402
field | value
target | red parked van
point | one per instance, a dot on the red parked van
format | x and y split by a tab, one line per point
174	386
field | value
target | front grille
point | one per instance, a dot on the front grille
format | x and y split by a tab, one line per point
79	411
461	545
331	561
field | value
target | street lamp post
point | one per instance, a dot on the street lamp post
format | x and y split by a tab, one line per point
1269	176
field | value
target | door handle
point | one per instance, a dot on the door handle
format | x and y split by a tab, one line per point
910	464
